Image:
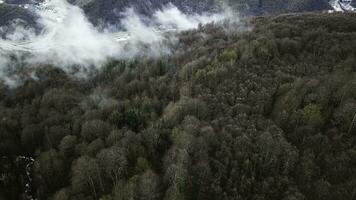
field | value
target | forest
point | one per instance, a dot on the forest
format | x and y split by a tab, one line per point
260	110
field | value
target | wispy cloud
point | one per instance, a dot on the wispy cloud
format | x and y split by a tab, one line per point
68	38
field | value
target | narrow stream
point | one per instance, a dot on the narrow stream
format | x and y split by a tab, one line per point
27	163
15	172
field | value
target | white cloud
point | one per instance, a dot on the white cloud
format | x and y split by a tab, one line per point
68	38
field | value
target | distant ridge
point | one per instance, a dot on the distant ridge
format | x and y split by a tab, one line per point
106	12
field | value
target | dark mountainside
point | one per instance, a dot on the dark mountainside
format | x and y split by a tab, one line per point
110	11
106	12
263	7
266	113
9	13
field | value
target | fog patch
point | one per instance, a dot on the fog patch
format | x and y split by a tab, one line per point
68	39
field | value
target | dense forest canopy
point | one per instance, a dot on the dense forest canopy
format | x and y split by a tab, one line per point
266	112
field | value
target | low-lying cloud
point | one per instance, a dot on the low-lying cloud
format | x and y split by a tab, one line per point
68	38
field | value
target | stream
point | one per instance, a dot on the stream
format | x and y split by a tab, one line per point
14	172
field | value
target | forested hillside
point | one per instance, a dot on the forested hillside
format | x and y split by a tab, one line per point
258	7
260	110
109	11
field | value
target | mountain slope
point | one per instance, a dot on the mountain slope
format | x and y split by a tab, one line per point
266	112
258	7
8	13
109	11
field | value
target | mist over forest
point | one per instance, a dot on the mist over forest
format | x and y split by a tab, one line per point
179	100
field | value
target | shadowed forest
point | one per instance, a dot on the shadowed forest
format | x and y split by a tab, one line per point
267	112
